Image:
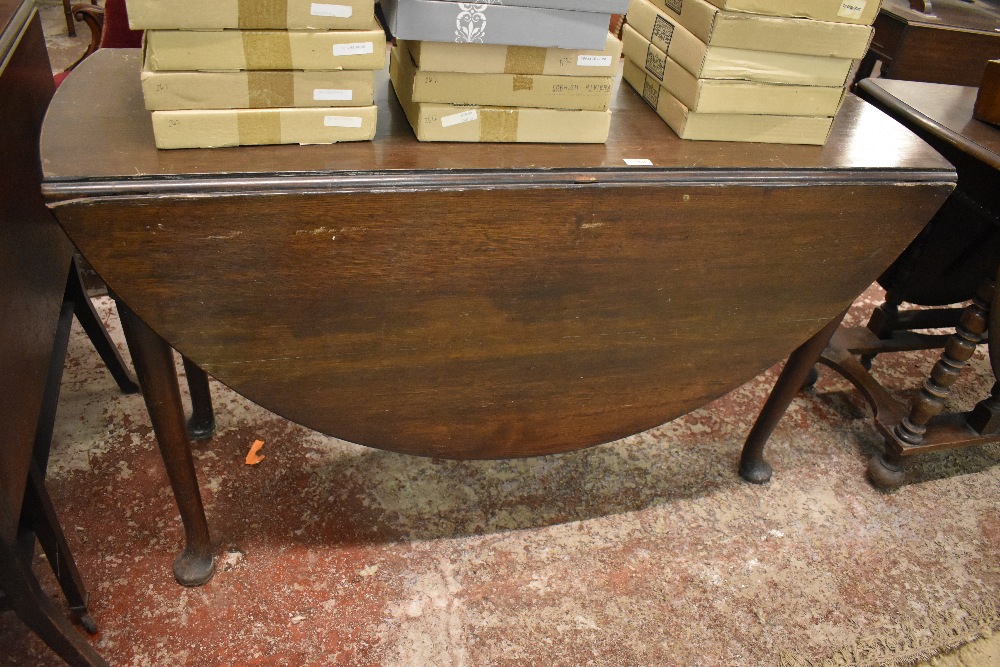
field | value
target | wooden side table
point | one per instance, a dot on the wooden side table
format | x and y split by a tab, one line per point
948	42
954	259
33	274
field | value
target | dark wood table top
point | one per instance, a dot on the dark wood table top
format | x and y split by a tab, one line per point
863	142
482	300
941	110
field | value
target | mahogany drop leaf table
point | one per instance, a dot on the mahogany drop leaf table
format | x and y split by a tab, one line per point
471	300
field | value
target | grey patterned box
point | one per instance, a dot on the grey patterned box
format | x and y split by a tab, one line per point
486	23
600	6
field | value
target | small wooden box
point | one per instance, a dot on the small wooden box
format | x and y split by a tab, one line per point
987	107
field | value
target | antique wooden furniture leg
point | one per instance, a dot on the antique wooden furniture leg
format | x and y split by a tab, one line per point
23	594
923	428
38	517
907	429
68	11
201	425
753	467
957	352
83	308
154	365
76	302
899	329
985	417
53	382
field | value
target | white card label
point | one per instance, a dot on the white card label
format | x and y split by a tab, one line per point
459	118
353	49
336	11
638	162
342	121
332	95
852	9
593	61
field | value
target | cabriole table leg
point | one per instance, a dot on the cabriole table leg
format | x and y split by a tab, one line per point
201	425
154	364
753	467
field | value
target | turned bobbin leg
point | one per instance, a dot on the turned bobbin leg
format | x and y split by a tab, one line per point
985	418
957	352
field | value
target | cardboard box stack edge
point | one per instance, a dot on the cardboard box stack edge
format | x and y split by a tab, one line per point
230	73
746	70
521	71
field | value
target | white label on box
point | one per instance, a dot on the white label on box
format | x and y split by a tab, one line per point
336	11
459	118
593	61
354	49
852	9
638	162
332	95
342	121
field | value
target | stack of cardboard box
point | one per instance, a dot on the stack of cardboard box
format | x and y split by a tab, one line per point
746	70
252	72
510	71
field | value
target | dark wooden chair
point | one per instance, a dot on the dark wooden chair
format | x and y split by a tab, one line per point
68	11
108	26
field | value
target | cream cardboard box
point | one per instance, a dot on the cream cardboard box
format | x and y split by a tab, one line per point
725	126
500	59
250	14
257	89
720	62
862	12
255	127
488	23
727	96
196	50
508	90
739	30
448	122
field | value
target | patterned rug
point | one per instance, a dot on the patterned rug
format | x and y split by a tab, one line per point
645	551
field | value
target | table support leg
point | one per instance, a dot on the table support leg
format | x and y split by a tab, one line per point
83	308
39	613
201	425
753	467
882	323
985	417
39	512
957	352
154	364
27	599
